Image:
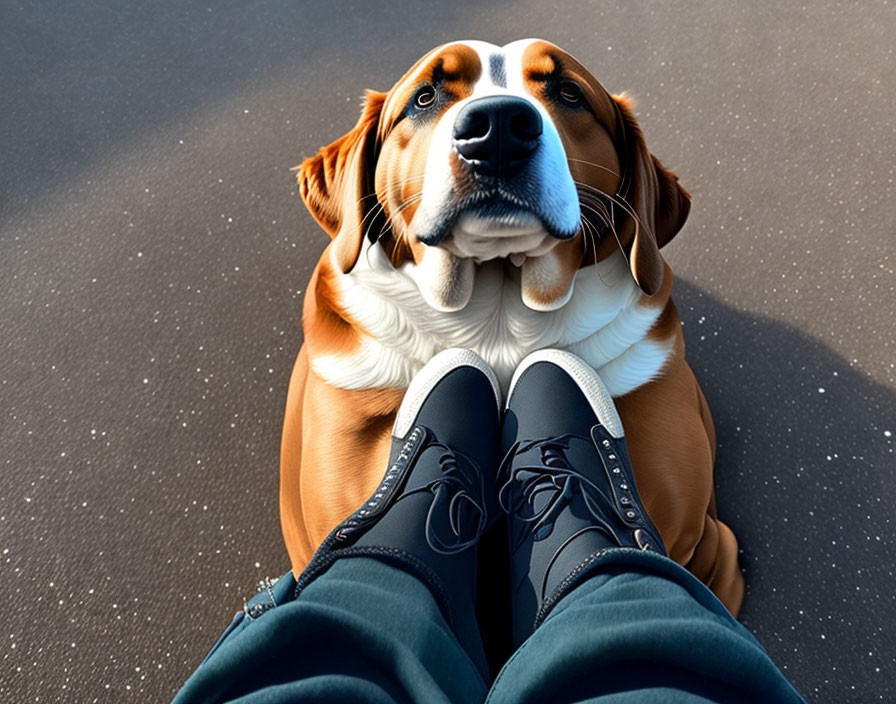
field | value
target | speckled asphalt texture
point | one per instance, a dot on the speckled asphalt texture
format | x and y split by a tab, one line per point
153	254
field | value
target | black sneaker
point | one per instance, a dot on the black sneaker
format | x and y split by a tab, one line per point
437	496
567	484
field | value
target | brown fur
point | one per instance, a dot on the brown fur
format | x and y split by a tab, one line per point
335	442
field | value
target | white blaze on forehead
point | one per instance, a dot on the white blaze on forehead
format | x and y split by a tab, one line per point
512	55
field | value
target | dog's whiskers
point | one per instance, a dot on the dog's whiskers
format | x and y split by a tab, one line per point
590	236
583	188
588	227
610	225
401	183
591	163
387	228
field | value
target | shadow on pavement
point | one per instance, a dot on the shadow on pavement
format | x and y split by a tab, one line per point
805	478
83	78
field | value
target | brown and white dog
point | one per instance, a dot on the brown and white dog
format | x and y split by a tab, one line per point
496	198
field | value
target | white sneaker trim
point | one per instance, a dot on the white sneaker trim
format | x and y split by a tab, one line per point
585	377
433	372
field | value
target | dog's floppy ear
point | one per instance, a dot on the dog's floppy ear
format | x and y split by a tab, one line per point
335	183
659	201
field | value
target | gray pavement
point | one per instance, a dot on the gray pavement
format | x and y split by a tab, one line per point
153	253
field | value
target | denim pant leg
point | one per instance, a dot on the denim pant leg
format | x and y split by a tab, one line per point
641	629
364	631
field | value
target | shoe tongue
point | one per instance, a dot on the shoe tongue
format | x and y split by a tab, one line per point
581	454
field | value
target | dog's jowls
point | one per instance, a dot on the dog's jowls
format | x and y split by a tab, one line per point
496	198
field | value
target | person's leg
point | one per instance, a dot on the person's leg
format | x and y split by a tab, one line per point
385	609
599	612
365	631
640	628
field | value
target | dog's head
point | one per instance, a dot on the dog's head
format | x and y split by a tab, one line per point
482	152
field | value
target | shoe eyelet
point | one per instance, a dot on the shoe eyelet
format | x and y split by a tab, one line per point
641	538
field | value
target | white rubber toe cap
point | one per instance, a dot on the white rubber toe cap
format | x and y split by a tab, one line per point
434	370
587	379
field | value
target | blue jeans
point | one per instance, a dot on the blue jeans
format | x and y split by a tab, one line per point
640	629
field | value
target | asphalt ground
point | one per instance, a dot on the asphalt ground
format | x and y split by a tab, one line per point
153	254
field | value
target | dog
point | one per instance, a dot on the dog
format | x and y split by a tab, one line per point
500	199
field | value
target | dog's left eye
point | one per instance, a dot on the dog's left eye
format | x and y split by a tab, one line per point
571	93
425	97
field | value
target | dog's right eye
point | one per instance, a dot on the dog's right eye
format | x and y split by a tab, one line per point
571	93
425	97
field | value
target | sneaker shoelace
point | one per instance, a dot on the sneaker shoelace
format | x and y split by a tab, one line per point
458	491
537	493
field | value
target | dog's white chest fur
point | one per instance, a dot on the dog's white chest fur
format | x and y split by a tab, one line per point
602	323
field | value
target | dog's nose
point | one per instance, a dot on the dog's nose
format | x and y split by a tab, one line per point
497	135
